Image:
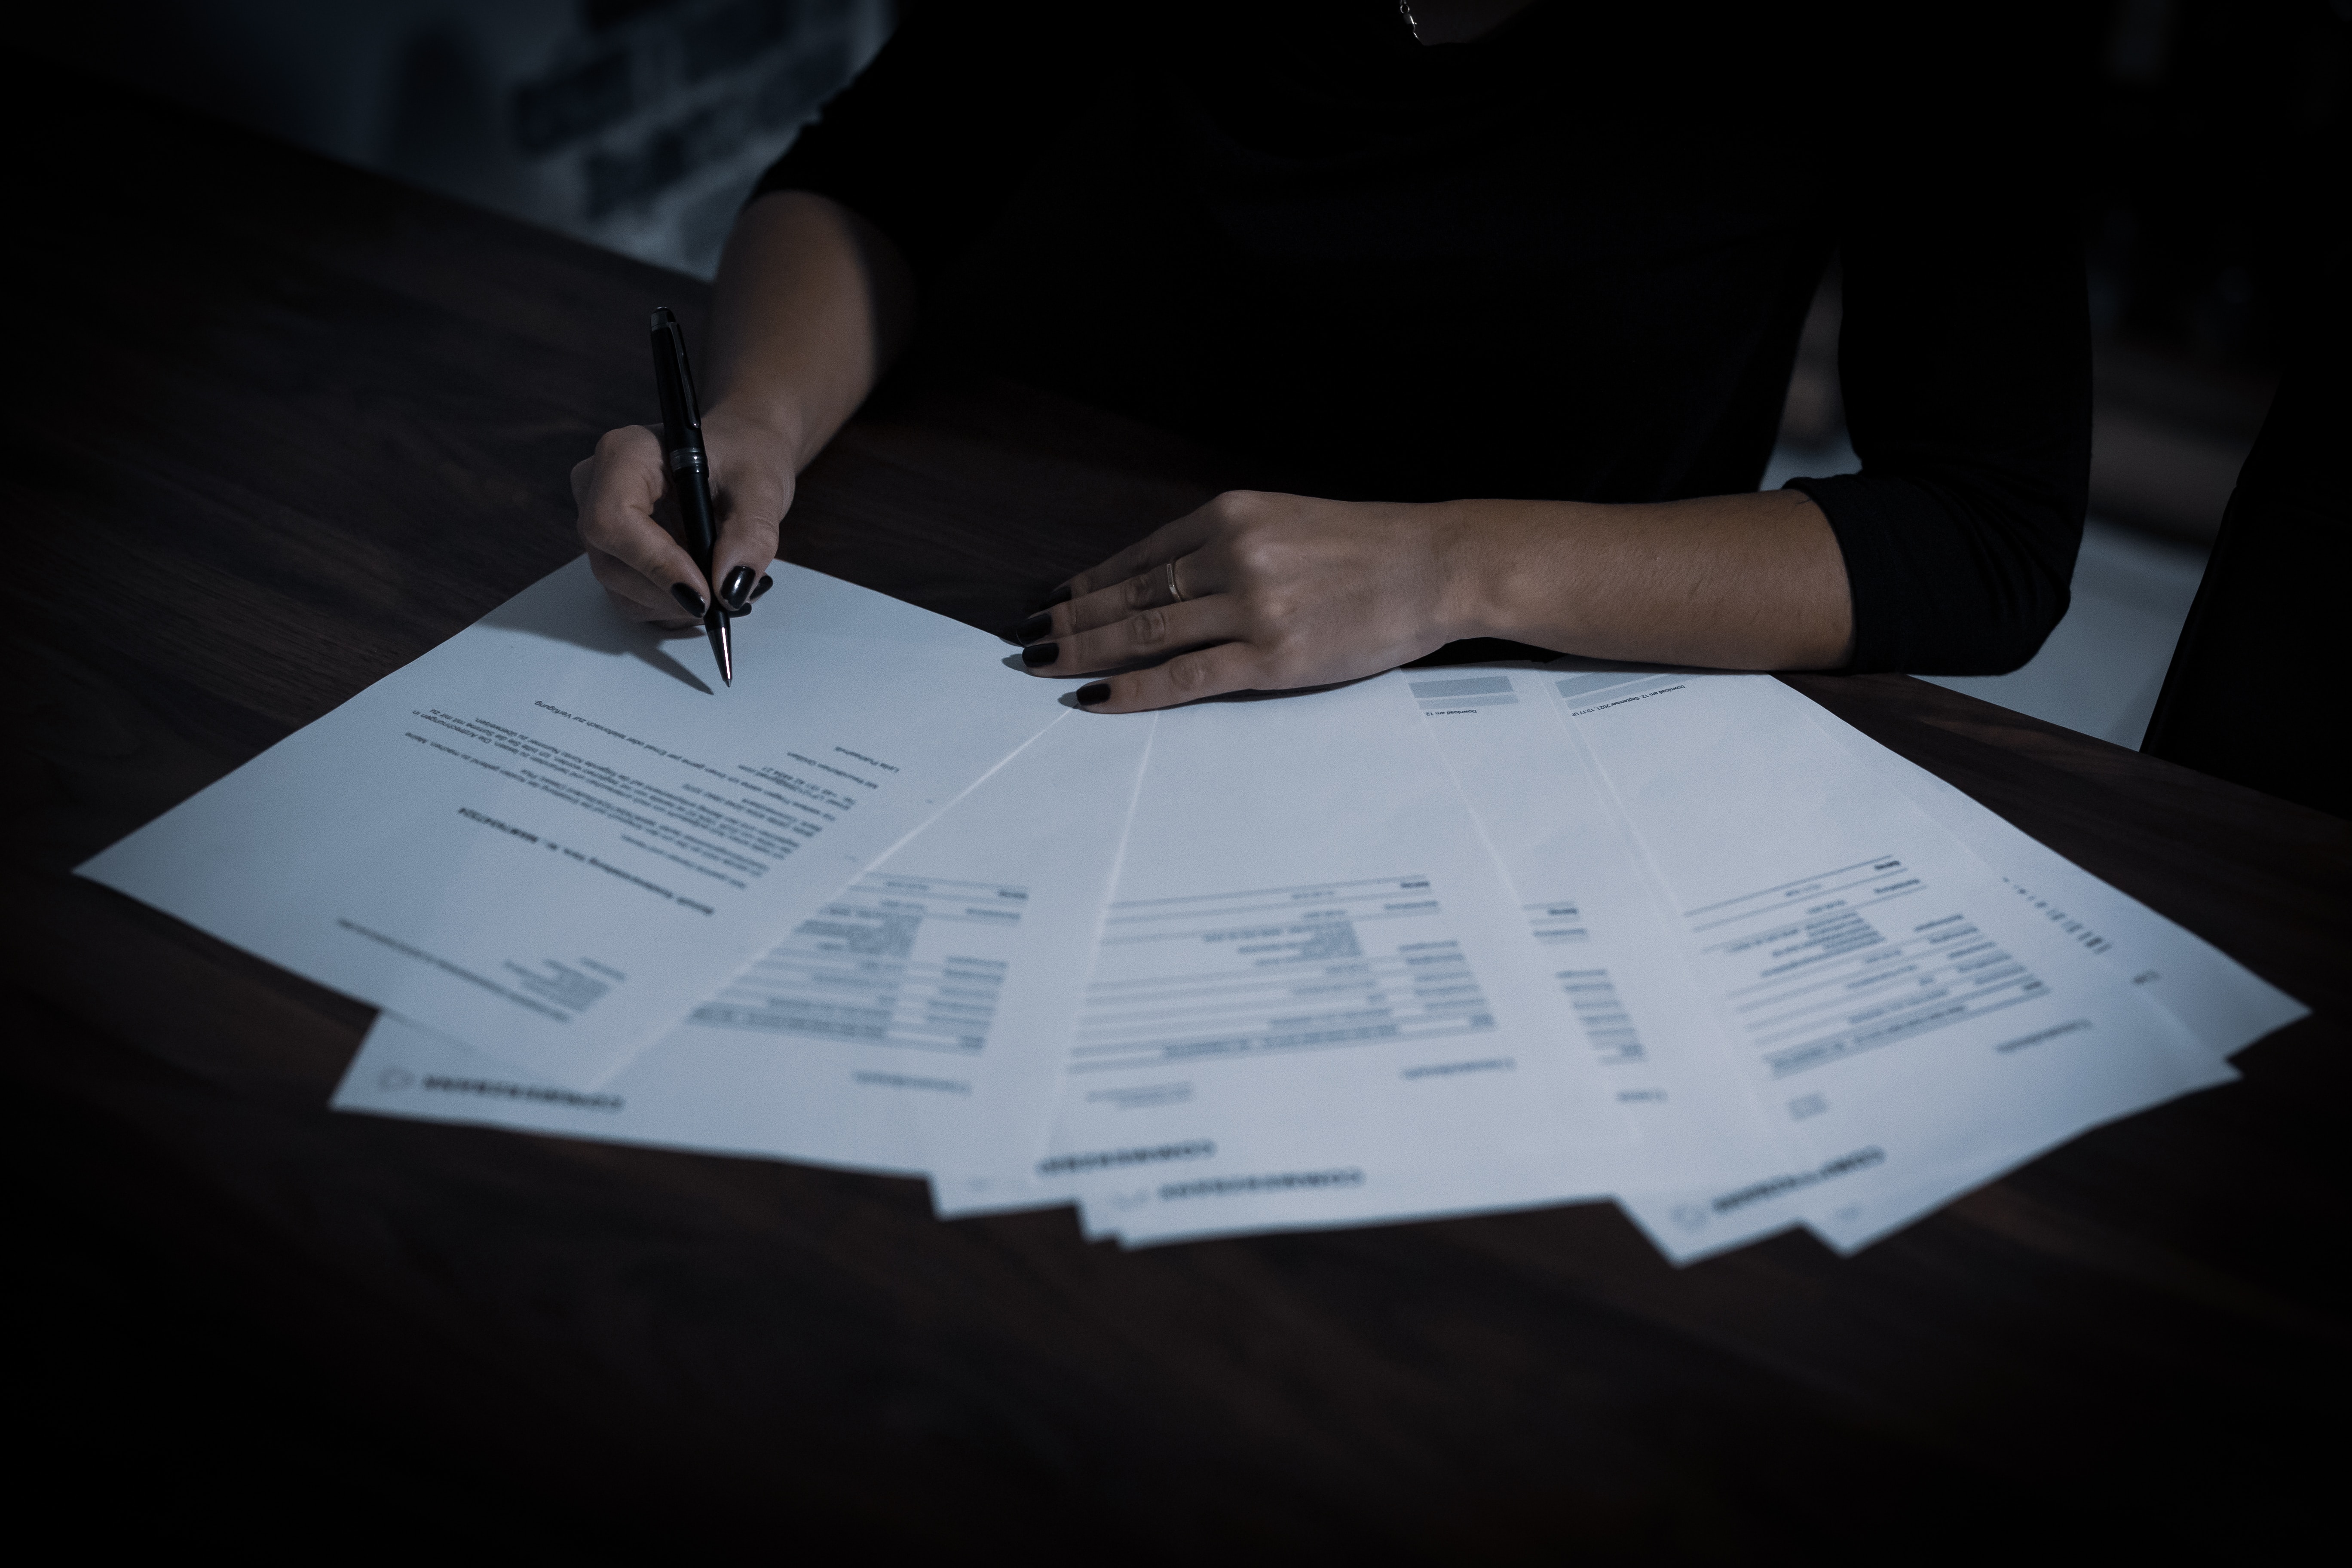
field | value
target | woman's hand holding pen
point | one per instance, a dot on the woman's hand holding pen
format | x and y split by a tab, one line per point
811	301
629	522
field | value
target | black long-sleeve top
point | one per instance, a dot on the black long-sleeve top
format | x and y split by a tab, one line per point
1568	261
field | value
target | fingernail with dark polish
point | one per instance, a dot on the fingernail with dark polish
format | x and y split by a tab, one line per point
1033	629
688	600
765	583
1094	691
737	589
1038	653
1060	596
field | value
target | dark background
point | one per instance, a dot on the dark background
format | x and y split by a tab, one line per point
2201	133
2211	146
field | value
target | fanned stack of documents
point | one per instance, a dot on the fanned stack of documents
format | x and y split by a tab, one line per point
1439	942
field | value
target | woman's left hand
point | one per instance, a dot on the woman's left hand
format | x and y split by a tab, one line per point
1258	592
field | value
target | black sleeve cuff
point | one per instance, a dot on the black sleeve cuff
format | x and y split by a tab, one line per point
1944	583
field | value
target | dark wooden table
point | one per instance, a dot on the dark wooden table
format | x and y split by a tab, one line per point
282	426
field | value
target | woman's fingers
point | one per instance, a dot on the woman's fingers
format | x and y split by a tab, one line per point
1162	544
1175	581
1255	592
741	560
1153	634
1188	677
636	597
650	575
751	504
617	517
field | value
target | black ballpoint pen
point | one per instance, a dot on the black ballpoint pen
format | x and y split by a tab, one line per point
689	473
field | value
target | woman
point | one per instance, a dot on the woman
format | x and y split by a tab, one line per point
1515	288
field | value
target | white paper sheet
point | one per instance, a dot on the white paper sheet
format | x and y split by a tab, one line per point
1315	1002
2224	1006
1600	931
922	1009
1901	1010
551	836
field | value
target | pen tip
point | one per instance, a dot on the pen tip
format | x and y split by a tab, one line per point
722	643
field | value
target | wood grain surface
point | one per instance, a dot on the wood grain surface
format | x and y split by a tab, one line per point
278	426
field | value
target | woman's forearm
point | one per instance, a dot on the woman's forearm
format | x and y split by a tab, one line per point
1737	582
812	304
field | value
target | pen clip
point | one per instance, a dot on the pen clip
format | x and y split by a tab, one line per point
673	380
